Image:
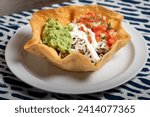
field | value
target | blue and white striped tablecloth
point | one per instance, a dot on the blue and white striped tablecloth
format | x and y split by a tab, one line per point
136	13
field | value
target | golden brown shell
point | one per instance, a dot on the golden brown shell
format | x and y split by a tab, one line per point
65	15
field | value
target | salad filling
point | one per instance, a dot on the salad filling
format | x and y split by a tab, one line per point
90	35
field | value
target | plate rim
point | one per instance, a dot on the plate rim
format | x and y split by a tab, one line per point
43	87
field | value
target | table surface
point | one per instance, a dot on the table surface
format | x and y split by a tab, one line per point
136	13
15	6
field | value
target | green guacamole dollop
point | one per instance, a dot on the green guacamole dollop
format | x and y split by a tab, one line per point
57	36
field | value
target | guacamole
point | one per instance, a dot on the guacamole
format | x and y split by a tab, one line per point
57	36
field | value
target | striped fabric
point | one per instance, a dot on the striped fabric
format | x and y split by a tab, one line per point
136	13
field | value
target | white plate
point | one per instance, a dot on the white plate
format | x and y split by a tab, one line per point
39	73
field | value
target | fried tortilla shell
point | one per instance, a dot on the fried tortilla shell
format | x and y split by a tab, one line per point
74	61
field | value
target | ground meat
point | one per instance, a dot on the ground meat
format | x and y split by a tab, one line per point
63	55
102	48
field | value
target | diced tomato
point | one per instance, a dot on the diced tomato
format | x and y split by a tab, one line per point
100	27
104	28
81	28
90	40
97	37
107	34
97	19
81	20
95	29
89	17
111	41
88	25
89	14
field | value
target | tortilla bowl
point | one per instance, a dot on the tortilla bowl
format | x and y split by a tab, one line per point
75	61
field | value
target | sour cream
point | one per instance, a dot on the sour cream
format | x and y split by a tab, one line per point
81	42
92	35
